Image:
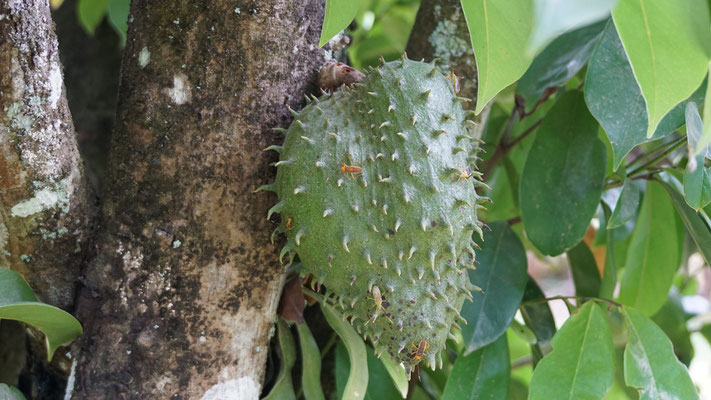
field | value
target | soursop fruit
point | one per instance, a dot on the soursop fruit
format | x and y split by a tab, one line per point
376	187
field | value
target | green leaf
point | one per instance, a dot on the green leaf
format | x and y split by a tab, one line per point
311	359
697	177
380	386
397	374
17	302
672	319
563	177
358	377
537	316
10	393
501	274
586	277
698	229
627	205
483	374
91	13
499	31
553	17
581	365
669	64
118	17
650	365
283	388
609	274
339	14
558	62
705	139
654	253
614	98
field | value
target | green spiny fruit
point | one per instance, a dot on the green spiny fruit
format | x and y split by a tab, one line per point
377	194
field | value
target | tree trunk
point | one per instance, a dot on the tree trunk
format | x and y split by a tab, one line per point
180	301
44	203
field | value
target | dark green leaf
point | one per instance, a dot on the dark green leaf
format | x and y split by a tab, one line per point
283	388
17	302
697	177
397	373
614	98
672	319
609	275
358	377
537	316
380	386
695	225
339	14
581	365
563	177
118	17
627	205
650	364
554	17
501	274
659	55
654	254
91	13
483	374
311	361
584	270
558	62
498	32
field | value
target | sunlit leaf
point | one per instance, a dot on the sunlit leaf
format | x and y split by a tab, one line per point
483	374
650	364
614	98
339	14
563	176
553	17
357	383
499	31
17	302
581	365
705	139
669	64
501	274
654	254
697	177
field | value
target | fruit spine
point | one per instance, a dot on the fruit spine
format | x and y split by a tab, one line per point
376	187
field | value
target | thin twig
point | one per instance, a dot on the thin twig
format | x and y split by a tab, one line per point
676	144
504	147
583	298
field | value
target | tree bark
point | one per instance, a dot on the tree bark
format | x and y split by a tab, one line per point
44	203
442	33
180	301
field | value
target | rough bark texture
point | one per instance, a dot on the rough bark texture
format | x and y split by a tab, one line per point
441	32
44	202
181	298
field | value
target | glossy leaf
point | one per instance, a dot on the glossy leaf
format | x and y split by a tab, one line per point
584	270
339	14
697	177
17	302
558	62
553	17
698	229
283	388
499	31
563	176
627	205
311	361
483	374
397	374
654	254
669	64
91	13
614	98
581	365
650	365
358	377
501	274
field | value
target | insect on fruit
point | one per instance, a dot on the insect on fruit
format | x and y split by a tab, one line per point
288	224
350	169
380	302
419	350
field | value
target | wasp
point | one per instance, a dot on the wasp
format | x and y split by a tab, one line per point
419	351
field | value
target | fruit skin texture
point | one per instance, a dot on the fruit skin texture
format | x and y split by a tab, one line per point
377	195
